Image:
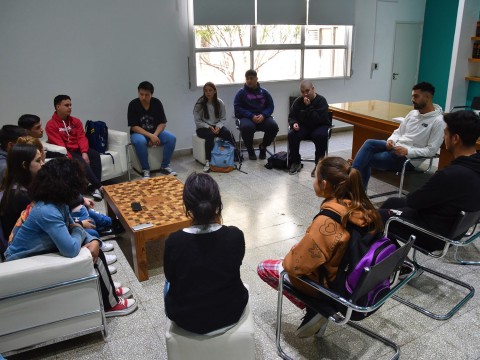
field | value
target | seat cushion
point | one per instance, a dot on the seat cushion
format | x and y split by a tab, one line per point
111	168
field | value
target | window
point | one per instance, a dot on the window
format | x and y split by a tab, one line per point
279	52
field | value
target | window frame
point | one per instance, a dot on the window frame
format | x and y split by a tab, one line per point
254	46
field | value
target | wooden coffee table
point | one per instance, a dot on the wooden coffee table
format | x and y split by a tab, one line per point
162	206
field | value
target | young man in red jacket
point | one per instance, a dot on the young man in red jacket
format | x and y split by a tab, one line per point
67	131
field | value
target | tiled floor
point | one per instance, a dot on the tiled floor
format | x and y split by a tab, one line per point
274	209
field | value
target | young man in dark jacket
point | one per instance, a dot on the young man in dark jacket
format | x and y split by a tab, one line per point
437	204
308	120
254	107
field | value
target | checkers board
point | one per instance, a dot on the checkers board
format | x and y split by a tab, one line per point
162	206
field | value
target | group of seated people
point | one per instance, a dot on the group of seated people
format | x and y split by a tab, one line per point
45	197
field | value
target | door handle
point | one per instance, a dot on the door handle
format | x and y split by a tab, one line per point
394	77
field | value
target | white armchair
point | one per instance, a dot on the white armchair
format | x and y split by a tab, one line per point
117	147
47	298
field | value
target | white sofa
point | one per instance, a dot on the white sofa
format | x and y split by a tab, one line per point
46	298
117	147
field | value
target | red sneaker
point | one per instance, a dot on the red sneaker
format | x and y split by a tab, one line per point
124	307
123	292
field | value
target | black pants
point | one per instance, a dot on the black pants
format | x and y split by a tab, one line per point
319	136
209	136
107	288
401	231
248	128
94	171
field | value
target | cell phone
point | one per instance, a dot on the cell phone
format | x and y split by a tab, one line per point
141	226
136	206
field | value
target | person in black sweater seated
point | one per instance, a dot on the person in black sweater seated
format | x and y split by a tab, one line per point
23	163
204	292
437	204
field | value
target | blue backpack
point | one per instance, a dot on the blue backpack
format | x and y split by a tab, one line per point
222	159
97	135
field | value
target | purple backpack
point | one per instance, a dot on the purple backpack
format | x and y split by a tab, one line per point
364	249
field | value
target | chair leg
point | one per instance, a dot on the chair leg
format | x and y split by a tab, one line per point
378	337
460	261
449	314
360	328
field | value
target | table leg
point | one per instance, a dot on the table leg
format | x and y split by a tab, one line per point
139	255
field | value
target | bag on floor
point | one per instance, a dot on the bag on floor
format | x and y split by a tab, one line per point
277	161
364	249
97	135
222	158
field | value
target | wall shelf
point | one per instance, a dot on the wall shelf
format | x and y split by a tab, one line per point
474	59
473	78
475	37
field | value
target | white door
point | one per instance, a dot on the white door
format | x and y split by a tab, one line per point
406	56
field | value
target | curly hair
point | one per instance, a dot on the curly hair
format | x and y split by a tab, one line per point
59	181
202	200
346	184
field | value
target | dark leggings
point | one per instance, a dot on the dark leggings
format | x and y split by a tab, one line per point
209	136
94	171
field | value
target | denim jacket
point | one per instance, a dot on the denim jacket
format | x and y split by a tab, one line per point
47	230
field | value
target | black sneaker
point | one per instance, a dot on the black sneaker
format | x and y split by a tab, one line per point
295	168
251	154
311	324
263	153
312	174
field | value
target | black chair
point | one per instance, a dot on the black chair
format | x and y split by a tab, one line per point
456	238
474	106
402	173
241	148
331	126
388	268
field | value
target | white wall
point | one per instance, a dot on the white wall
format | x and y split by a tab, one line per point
467	18
97	51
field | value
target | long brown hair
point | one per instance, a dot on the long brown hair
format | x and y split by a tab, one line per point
202	101
346	184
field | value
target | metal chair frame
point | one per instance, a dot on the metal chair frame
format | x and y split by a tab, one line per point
371	277
330	116
464	223
241	148
400	191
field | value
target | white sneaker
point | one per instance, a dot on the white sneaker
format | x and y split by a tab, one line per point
97	195
167	171
110	259
112	269
117	284
146	174
206	168
106	247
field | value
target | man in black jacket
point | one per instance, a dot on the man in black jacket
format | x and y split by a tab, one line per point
437	204
308	120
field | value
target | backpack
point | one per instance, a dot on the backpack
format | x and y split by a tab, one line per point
364	249
222	157
97	135
277	161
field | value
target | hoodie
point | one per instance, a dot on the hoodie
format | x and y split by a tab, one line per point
68	133
447	192
324	244
421	134
250	102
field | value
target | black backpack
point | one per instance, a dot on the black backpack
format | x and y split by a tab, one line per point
364	249
277	161
97	135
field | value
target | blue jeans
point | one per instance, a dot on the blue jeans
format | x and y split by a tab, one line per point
374	153
100	221
168	141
